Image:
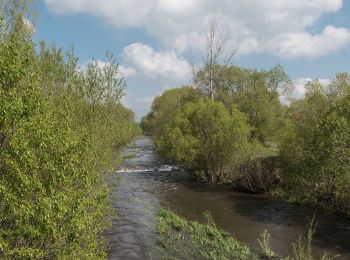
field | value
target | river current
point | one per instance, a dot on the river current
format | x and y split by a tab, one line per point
144	184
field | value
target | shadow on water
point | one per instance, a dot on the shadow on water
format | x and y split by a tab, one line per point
145	185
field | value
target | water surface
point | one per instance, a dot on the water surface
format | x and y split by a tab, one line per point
144	184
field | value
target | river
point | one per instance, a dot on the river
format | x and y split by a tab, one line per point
144	184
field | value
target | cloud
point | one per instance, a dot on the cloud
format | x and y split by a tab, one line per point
153	65
294	45
124	71
279	27
299	87
138	103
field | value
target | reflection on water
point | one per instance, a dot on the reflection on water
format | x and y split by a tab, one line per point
144	185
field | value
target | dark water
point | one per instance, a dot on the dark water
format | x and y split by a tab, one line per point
145	184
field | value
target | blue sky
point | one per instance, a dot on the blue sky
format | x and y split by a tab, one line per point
154	40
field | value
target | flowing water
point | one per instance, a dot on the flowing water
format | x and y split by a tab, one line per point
144	185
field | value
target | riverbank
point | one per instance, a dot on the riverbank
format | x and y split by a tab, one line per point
298	150
183	239
265	180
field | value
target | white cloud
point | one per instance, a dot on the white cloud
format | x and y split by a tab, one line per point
299	87
278	27
154	64
138	103
126	72
303	44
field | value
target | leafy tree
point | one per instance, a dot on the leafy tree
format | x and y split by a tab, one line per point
339	87
165	106
315	154
204	136
52	194
255	93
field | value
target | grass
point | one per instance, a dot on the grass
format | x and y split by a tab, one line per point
183	239
264	245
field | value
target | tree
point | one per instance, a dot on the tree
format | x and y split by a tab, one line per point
255	93
165	106
217	40
315	152
52	193
339	87
204	136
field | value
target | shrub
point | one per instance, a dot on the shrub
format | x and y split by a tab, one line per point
315	157
204	136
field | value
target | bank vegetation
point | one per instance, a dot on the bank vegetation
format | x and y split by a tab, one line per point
61	129
244	128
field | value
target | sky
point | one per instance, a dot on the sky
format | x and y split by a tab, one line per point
155	41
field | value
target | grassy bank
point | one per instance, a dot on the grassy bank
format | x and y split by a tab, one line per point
180	238
183	239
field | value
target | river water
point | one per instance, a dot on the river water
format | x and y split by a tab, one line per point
144	184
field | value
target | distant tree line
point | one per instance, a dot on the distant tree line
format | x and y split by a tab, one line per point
61	129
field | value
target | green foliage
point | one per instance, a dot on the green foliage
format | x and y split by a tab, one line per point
204	137
245	135
255	93
231	139
264	244
315	155
180	238
165	106
92	98
302	249
183	239
53	138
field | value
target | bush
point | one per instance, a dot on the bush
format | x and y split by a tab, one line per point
204	137
164	107
258	174
315	156
52	194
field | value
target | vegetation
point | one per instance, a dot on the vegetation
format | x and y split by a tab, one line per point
247	137
204	137
264	244
183	239
164	107
315	155
232	139
62	128
302	249
58	123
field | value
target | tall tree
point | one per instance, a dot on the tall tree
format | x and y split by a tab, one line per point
217	40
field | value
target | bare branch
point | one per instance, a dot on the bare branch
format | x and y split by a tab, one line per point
217	40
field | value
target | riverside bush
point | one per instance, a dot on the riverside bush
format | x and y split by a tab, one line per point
53	140
242	127
204	137
315	156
